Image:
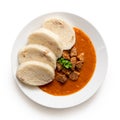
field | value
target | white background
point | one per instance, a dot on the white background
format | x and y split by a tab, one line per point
104	15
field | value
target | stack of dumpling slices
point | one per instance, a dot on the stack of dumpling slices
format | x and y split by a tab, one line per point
37	60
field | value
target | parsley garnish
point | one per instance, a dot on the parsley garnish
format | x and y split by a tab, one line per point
65	63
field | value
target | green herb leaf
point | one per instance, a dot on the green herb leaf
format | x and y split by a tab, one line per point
65	63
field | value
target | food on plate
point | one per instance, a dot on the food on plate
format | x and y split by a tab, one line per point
72	79
35	73
46	38
63	29
59	58
37	53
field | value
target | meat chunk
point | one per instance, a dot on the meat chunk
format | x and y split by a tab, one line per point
79	65
66	55
61	78
73	52
58	67
73	60
81	57
74	75
66	71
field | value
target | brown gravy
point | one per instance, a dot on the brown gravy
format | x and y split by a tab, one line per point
83	44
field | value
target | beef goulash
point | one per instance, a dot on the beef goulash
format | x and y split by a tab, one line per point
59	58
72	78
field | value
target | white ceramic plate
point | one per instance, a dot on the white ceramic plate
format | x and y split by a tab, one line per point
42	98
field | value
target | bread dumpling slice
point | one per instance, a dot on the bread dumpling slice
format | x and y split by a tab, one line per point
48	39
37	53
35	73
63	29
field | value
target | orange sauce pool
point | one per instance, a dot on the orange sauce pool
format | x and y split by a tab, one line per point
83	44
